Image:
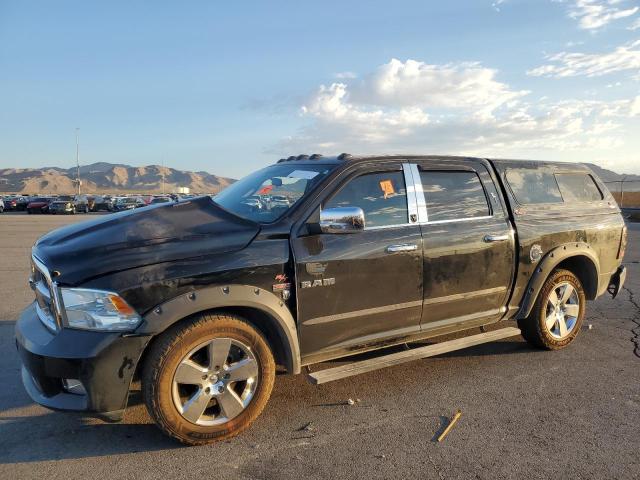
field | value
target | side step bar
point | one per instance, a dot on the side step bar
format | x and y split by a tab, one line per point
356	368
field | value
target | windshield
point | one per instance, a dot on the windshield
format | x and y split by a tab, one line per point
265	195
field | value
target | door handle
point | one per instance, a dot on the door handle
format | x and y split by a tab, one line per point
405	247
496	238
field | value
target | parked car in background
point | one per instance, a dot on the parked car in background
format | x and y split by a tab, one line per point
1	205
21	203
280	201
39	205
9	202
161	200
15	203
62	205
100	203
253	202
128	203
82	203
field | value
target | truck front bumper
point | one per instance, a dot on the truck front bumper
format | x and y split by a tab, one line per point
617	281
77	369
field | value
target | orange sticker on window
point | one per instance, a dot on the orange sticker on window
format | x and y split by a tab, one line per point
387	188
265	190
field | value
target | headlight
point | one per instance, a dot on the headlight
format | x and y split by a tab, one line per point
98	310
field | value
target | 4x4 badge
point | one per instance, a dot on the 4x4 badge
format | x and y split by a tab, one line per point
325	282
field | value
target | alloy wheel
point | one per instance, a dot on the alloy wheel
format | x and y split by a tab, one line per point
562	311
215	381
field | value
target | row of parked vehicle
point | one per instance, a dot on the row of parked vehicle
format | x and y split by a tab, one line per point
72	204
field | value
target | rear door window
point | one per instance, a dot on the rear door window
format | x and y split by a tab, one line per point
453	195
533	186
578	187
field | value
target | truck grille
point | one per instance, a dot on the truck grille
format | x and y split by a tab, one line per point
43	288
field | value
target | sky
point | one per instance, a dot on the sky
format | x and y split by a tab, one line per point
228	87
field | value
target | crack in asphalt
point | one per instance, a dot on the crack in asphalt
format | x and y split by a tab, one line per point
636	320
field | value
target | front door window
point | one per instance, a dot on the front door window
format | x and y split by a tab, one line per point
382	196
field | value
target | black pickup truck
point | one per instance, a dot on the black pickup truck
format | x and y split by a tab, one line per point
311	259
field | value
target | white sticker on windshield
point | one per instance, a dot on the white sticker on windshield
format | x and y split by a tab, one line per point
306	174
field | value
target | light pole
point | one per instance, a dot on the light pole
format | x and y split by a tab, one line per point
78	158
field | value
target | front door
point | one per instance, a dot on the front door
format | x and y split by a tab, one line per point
469	252
357	289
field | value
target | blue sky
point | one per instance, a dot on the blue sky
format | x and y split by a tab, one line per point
227	87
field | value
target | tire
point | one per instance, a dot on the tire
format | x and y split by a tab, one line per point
552	324
29	211
215	406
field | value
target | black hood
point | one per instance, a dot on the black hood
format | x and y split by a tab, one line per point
154	234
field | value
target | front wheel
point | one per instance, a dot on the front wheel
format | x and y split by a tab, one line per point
558	313
208	379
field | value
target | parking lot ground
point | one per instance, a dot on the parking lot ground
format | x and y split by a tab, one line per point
573	413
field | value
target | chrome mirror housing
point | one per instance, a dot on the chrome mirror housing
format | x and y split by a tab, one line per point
342	220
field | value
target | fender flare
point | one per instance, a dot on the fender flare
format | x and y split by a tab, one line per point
166	314
548	263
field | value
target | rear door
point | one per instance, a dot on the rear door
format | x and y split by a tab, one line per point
356	289
469	255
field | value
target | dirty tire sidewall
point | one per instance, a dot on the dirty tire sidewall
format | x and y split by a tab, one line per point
169	350
533	327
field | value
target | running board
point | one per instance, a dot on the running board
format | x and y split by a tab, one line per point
356	368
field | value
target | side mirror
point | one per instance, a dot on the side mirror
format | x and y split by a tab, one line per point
342	220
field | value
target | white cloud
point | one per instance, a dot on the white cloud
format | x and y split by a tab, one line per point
343	75
496	4
418	84
594	14
331	107
454	108
571	64
621	108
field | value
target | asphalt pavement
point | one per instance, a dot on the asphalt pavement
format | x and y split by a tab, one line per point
526	413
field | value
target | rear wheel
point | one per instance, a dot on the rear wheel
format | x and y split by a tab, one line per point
558	313
208	379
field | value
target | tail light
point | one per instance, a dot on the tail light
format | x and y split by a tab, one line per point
623	243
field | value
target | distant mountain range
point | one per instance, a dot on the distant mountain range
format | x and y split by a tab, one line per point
611	176
106	177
